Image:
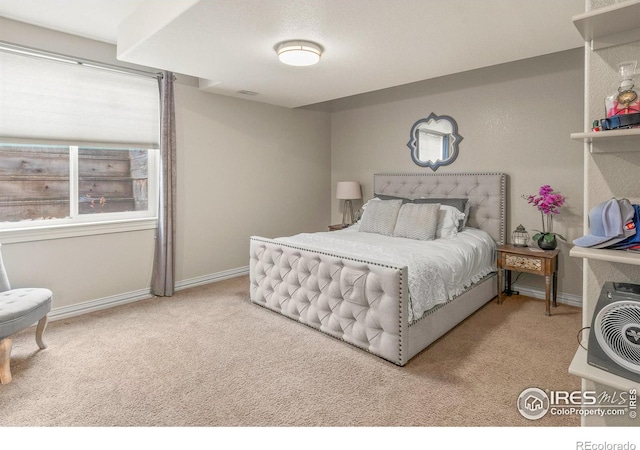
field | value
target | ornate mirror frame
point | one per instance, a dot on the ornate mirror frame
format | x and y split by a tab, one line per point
434	141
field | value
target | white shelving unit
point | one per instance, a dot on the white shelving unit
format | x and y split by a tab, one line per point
604	27
611	141
611	25
581	368
616	256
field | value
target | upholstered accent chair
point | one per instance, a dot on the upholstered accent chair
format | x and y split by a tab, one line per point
19	309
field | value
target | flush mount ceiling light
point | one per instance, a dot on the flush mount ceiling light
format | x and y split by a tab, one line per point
299	53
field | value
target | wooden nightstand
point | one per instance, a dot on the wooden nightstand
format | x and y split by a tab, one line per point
524	259
337	227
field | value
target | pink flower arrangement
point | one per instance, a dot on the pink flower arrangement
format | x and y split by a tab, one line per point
548	203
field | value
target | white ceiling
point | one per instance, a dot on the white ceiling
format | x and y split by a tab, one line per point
94	19
368	44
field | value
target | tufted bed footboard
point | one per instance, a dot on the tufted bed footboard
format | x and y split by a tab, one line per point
361	302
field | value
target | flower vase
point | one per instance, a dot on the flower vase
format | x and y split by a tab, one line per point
547	230
545	245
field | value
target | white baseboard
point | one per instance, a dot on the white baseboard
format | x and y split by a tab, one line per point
212	278
98	304
141	294
565	299
134	296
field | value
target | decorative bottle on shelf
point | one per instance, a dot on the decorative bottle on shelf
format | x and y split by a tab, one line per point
625	99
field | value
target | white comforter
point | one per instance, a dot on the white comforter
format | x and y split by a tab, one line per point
439	270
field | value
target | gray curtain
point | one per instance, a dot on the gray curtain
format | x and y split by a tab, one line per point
4	280
162	279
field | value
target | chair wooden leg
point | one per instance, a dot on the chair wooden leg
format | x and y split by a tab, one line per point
42	324
5	360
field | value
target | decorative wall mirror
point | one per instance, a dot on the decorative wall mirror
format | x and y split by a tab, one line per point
434	141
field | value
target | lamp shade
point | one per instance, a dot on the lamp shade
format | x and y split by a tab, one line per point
348	190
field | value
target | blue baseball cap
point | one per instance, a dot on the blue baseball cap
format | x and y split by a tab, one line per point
605	224
628	226
634	239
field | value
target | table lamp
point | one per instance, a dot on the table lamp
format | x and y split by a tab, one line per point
347	191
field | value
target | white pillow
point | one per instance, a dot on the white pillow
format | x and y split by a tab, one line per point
449	219
417	221
358	214
380	217
374	199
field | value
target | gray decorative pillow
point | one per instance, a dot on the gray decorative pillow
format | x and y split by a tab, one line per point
467	209
458	203
380	217
461	204
391	197
417	221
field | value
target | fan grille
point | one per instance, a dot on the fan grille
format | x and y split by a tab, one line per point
616	326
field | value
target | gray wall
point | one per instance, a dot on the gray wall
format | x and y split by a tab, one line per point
246	168
514	118
243	168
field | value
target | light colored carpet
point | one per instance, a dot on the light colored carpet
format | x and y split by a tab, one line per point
208	357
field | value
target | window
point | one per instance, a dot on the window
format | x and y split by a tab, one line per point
46	185
78	146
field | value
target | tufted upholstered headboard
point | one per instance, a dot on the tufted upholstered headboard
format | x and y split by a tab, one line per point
487	194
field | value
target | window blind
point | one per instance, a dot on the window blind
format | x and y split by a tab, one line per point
55	101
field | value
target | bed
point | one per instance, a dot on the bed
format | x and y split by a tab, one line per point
368	298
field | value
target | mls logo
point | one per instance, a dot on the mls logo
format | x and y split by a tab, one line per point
533	403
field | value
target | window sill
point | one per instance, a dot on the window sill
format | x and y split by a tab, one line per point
75	230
